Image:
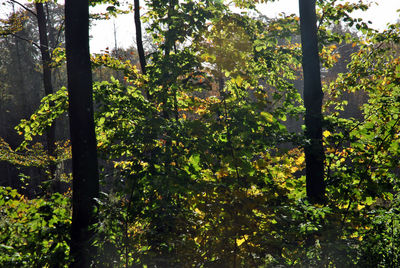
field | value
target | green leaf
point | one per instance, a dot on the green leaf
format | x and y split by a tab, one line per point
267	116
369	201
194	160
6	247
101	120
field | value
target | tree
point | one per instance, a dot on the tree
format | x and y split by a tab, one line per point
314	152
83	140
31	31
19	98
48	87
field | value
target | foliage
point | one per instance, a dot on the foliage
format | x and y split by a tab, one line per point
33	232
361	169
12	24
200	166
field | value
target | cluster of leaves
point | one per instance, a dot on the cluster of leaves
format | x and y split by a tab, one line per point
31	153
362	154
11	25
33	232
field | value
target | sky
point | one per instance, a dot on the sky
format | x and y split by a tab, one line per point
103	32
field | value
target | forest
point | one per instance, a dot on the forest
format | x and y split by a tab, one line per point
220	138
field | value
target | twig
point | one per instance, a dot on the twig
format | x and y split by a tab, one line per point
27	40
24	7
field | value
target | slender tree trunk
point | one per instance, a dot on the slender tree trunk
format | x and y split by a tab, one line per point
52	34
21	80
48	87
115	39
139	40
84	152
313	95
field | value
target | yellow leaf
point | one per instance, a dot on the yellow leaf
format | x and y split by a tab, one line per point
326	133
241	241
198	211
239	80
300	160
223	172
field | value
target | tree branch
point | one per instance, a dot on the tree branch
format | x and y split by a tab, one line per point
24	39
24	7
59	34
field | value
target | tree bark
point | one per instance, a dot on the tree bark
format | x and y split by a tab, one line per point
83	140
48	87
139	40
313	95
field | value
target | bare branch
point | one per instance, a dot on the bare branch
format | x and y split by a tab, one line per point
27	40
24	7
59	33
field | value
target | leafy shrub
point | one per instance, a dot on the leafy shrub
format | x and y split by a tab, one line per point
33	233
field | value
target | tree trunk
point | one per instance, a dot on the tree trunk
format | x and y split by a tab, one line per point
21	81
83	140
313	95
48	87
139	40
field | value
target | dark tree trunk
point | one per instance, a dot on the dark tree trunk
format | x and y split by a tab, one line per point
314	151
48	87
84	153
139	40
